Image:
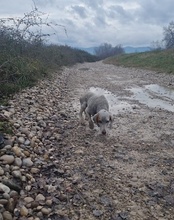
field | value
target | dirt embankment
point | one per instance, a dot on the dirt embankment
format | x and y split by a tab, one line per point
63	170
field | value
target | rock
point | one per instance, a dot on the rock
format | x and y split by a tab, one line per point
1	140
7	159
49	202
17	174
97	213
17	151
40	197
4	188
28	199
46	211
7	215
27	142
7	114
26	153
6	196
18	162
1	171
27	162
3	201
12	185
34	170
11	205
21	140
24	211
25	131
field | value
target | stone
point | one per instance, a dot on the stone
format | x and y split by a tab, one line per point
17	151
7	215
28	199
3	201
18	162
34	170
97	213
27	142
17	174
46	211
27	162
23	211
1	171
11	205
7	159
4	188
40	197
12	185
21	140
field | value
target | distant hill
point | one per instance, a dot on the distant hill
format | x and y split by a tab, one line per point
128	49
90	50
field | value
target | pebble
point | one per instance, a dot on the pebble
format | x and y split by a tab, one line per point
24	211
28	199
7	215
46	211
27	162
1	171
21	140
17	151
4	188
97	213
17	174
18	162
34	170
7	159
40	197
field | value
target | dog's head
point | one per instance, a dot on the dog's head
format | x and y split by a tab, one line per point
103	119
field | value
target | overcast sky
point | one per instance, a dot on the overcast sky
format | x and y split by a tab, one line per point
93	22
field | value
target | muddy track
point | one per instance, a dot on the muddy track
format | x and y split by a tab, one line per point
81	174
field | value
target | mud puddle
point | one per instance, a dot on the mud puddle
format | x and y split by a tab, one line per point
154	96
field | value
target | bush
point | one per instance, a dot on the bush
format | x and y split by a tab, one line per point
25	57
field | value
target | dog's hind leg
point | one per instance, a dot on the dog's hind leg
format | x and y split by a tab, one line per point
82	109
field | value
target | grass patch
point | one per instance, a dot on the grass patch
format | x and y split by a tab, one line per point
6	127
160	61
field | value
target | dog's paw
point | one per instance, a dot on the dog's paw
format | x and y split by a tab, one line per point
91	125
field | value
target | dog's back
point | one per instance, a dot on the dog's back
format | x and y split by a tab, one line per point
96	103
85	98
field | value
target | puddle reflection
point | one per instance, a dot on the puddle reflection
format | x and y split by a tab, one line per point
154	96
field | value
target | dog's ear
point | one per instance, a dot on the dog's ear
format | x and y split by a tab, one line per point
111	119
96	119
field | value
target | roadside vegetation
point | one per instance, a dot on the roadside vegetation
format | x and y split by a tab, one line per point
159	60
25	55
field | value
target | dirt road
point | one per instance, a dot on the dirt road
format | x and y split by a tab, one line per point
129	173
126	174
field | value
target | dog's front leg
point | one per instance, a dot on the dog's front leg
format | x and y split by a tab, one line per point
111	121
91	124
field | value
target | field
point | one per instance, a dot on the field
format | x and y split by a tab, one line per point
160	61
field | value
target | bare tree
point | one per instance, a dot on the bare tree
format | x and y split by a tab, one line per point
106	50
169	35
157	45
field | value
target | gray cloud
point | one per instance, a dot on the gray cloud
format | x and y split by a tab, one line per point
91	22
81	11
